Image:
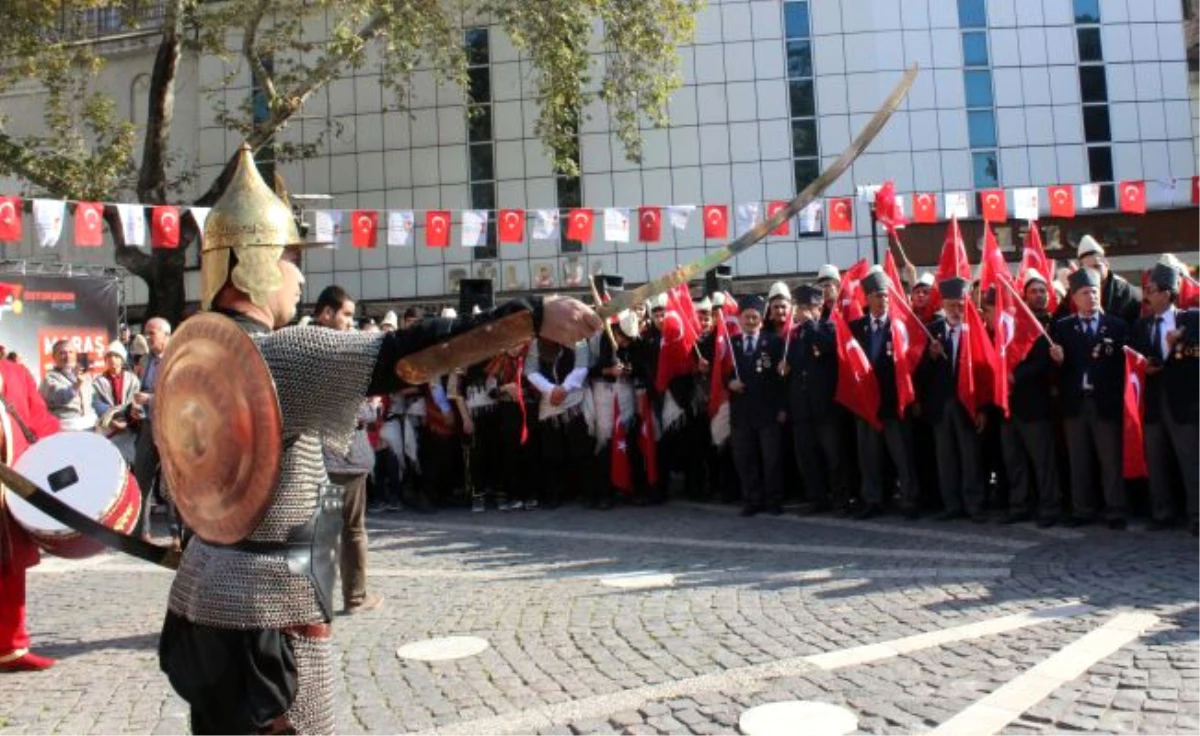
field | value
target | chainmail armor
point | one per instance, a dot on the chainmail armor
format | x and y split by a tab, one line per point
312	711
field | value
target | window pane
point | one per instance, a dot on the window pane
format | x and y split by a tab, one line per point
1089	45
480	84
987	169
807	170
981	128
975	49
481	162
1100	164
799	59
479	123
1108	197
1087	11
804	137
568	192
795	19
1093	85
979	88
1096	128
801	93
972	14
477	46
483	196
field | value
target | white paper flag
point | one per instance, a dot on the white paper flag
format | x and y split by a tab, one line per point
1162	193
956	205
616	224
133	223
200	215
679	215
327	227
400	227
867	192
746	217
1026	203
474	228
1089	196
811	217
48	220
545	225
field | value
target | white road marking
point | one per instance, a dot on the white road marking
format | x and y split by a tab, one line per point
996	710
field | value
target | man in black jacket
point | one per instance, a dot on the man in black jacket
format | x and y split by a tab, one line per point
1117	296
1027	436
1168	338
811	368
1091	358
756	411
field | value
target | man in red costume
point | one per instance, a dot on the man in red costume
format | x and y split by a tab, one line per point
17	550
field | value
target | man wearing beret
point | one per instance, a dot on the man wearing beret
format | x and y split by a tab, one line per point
1117	296
756	411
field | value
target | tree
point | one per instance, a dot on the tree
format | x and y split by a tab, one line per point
86	151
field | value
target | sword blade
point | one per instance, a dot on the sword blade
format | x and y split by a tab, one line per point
50	505
623	300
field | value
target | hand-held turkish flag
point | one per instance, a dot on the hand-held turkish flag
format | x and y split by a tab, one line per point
649	224
1133	437
841	215
646	441
925	208
437	228
89	225
786	227
620	469
675	353
679	299
1189	292
1003	332
852	298
995	208
1196	190
893	274
512	226
952	263
858	388
1133	197
1034	257
580	225
887	211
1022	329
716	221
993	266
164	227
1062	201
366	228
976	362
909	342
10	219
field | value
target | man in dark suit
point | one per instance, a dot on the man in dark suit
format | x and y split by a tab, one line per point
874	333
1091	359
756	411
1169	340
811	369
1027	436
1117	297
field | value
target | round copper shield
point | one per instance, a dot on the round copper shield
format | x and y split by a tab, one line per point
218	428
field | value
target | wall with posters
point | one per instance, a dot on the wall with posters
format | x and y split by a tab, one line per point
38	311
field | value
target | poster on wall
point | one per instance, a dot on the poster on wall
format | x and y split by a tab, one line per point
38	311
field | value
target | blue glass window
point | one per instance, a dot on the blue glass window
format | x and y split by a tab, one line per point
1087	11
1090	48
799	59
972	14
795	19
975	49
806	172
987	169
981	128
803	103
979	88
477	46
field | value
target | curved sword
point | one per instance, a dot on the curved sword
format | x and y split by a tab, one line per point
50	505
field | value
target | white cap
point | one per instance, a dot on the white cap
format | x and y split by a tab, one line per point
116	348
876	269
829	271
305	321
704	305
389	319
139	346
1032	274
1169	259
925	280
629	324
1088	246
718	299
449	313
476	310
658	302
779	290
1059	289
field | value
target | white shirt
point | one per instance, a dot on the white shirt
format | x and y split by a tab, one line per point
1167	326
955	336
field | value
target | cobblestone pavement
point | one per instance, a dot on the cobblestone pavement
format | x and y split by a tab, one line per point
750	604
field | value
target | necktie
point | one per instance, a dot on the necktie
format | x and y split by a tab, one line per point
950	345
1157	339
750	339
876	338
1091	326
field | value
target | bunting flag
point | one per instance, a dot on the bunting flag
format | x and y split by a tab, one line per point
811	217
747	216
164	227
364	231
716	221
1134	453
679	215
199	216
133	223
11	227
620	470
925	208
1089	196
616	225
512	226
580	225
1027	203
1062	201
1133	197
474	228
89	225
841	215
327	225
1034	257
545	224
48	220
957	205
437	228
857	386
401	224
785	228
649	224
995	206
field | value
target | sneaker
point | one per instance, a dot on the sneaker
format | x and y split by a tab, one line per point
478	506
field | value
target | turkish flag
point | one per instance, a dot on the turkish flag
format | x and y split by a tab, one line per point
89	225
925	208
675	351
785	227
646	442
164	227
893	274
1189	292
579	225
887	209
649	224
857	387
1062	201
1134	454
437	228
512	226
841	215
620	469
1034	256
953	262
853	299
10	219
1021	328
1133	197
716	221
366	228
995	208
976	362
993	266
1196	190
909	342
721	367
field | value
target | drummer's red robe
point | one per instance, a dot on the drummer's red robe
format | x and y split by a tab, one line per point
17	551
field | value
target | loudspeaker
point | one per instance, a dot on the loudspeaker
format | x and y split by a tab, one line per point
719	279
474	292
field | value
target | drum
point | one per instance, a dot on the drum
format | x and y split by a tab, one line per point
85	471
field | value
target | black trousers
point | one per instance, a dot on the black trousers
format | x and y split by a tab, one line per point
1032	465
816	446
484	451
874	447
758	455
1092	438
1170	444
960	470
566	452
515	481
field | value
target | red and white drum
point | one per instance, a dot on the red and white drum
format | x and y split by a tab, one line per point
85	471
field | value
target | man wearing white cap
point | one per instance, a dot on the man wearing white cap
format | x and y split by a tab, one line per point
113	397
389	322
779	306
1117	296
922	302
829	279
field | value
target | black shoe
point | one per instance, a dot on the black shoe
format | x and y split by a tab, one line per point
948	515
774	509
1117	525
868	511
1046	522
1015	519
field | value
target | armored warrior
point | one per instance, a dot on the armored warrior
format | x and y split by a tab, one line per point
247	638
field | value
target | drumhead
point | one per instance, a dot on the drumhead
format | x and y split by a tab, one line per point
82	469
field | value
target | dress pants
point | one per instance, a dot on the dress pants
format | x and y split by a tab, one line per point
352	547
1168	443
1091	437
895	440
1032	466
758	456
816	448
960	473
